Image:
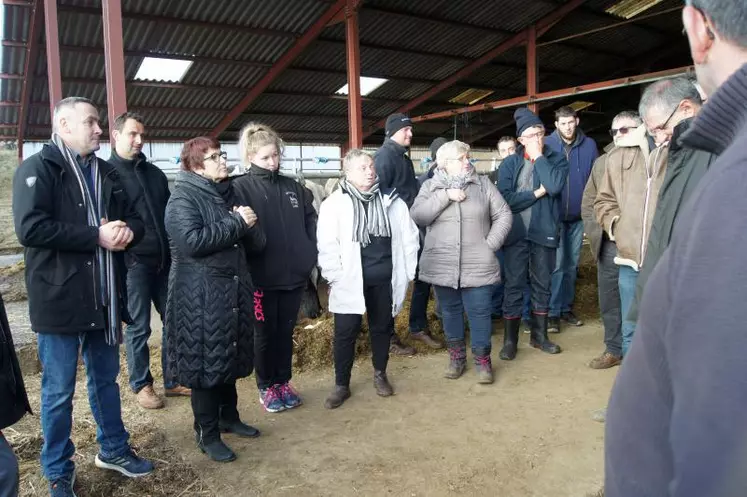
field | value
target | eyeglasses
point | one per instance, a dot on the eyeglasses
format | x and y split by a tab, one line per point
217	155
534	136
662	127
623	130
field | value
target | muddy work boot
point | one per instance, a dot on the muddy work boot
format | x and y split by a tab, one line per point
510	339
538	338
605	361
483	366
338	396
457	359
148	399
382	385
426	338
396	347
178	391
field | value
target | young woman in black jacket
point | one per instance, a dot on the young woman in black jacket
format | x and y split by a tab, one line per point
209	310
285	210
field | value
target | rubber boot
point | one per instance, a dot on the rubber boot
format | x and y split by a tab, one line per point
539	338
483	366
457	359
510	339
382	385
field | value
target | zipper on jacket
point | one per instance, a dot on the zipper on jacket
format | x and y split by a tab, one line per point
649	179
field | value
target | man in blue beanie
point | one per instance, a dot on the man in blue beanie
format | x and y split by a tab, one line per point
531	181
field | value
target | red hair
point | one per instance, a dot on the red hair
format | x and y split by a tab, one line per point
194	150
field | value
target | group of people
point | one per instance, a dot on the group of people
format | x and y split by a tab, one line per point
224	259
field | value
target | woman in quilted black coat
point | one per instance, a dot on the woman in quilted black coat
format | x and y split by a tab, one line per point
210	303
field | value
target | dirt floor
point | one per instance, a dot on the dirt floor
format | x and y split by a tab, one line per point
529	434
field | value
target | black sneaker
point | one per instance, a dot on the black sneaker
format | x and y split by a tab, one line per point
571	319
553	325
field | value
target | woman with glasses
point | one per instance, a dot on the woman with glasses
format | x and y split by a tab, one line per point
467	221
285	209
531	181
209	308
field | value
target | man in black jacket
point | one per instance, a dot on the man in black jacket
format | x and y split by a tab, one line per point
676	423
396	172
15	404
147	263
74	218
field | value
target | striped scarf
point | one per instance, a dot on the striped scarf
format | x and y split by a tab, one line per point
366	224
105	276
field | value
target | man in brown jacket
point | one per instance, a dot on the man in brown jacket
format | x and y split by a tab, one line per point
624	207
604	250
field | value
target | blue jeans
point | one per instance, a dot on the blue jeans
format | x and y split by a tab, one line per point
477	302
145	284
563	286
627	280
499	289
58	354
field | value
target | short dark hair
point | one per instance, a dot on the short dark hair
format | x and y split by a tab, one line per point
194	150
565	111
504	139
729	18
121	120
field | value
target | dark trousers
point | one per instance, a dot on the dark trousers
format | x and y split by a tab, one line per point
145	284
527	258
609	297
212	405
499	289
275	313
421	294
8	470
380	325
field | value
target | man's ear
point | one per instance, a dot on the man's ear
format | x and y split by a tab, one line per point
699	33
578	121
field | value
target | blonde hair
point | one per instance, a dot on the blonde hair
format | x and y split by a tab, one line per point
254	136
450	150
352	155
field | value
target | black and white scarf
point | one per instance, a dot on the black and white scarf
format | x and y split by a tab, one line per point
371	222
105	276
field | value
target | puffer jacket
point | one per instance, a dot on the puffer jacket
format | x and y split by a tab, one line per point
210	307
461	237
626	200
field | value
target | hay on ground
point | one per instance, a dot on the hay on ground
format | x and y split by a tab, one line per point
12	283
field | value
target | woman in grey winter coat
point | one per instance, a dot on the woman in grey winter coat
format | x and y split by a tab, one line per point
466	220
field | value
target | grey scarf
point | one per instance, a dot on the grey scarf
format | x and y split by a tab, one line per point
366	224
105	277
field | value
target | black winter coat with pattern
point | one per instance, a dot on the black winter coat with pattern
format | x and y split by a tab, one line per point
209	311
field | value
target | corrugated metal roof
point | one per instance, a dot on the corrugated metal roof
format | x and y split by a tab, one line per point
415	44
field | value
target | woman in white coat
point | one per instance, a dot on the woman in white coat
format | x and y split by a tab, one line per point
368	247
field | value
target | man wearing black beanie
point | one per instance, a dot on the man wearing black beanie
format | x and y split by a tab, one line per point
531	181
395	171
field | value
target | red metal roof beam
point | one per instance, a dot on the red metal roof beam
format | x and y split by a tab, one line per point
32	51
287	58
564	92
116	92
54	73
543	25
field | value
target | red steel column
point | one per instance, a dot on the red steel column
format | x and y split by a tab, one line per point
355	112
116	94
532	83
53	54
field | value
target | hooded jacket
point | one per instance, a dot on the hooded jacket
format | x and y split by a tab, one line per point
581	156
285	209
550	170
395	171
626	200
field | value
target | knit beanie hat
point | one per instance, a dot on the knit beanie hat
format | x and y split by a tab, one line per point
525	119
435	145
396	122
